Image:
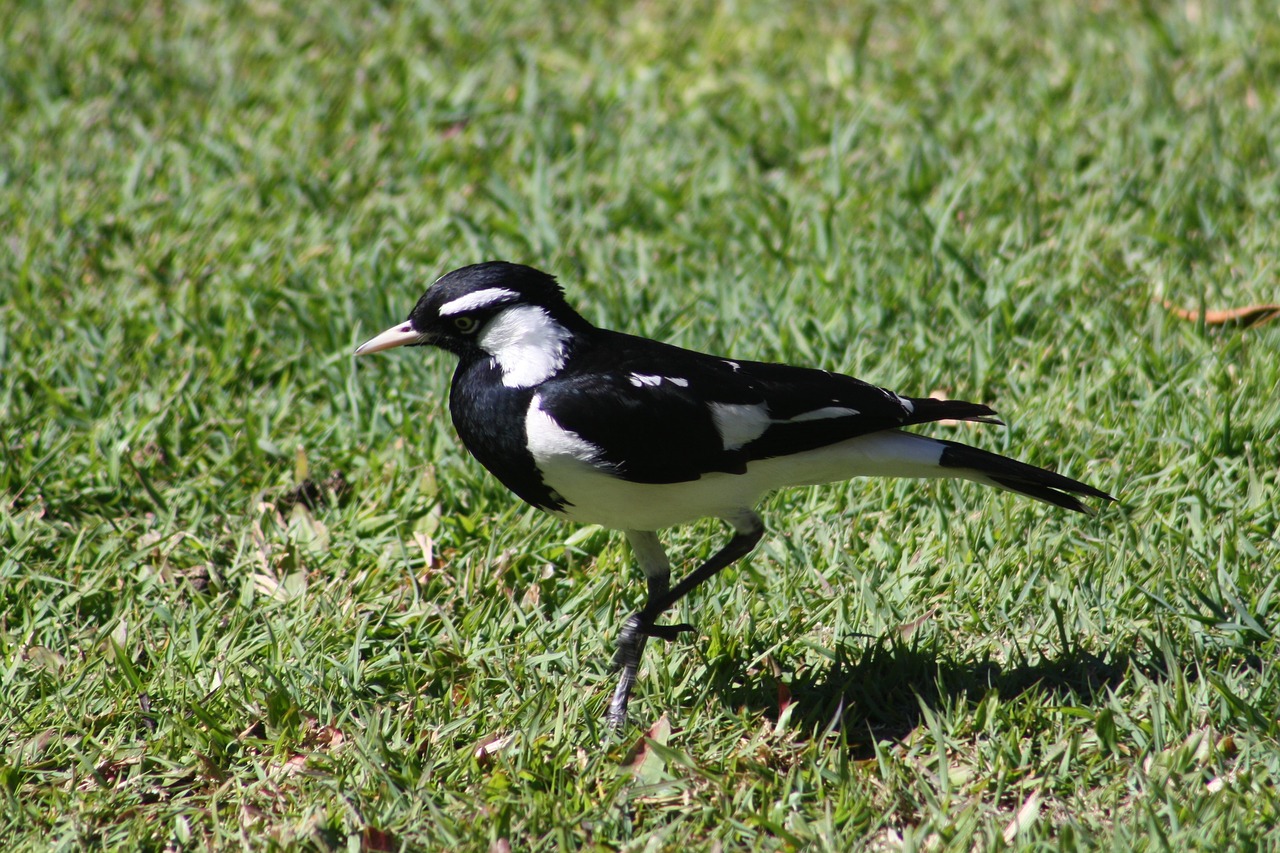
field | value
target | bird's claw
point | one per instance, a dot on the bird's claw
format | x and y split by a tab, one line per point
638	626
668	632
636	630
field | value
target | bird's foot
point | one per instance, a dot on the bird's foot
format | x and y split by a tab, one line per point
616	717
636	631
669	632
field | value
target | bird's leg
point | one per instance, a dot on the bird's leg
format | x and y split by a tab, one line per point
633	638
639	627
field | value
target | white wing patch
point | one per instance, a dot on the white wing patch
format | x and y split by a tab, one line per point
825	413
640	380
550	442
740	424
528	345
475	300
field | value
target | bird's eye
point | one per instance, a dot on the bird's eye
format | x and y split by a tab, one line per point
466	324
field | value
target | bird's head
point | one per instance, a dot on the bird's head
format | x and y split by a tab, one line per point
511	313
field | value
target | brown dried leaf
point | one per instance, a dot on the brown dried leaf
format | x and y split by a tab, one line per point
379	840
1253	315
492	746
641	760
784	698
907	629
295	764
321	737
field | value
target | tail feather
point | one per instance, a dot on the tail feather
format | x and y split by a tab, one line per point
928	409
1020	477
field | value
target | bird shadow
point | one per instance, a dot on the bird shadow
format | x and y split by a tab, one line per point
876	693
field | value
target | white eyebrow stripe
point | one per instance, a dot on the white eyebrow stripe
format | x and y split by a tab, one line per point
476	299
826	412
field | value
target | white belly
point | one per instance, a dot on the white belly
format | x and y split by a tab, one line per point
595	497
598	497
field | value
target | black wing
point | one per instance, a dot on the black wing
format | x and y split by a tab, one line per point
661	414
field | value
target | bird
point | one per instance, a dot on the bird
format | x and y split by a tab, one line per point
601	427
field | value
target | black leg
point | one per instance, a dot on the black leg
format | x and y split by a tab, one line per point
639	627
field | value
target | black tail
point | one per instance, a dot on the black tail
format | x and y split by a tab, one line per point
927	410
1020	477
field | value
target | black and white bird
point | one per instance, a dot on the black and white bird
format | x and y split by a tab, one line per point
601	427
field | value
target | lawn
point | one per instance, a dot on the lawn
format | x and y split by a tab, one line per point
254	593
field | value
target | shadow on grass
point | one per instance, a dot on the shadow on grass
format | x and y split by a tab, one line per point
877	693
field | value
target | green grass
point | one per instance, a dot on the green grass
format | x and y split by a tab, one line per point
254	593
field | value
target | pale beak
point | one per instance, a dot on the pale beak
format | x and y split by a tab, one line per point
397	336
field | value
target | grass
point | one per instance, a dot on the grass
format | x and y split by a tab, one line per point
255	594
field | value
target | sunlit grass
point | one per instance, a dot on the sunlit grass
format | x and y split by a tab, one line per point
254	593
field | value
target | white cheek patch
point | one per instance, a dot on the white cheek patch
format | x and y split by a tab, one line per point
740	424
640	380
825	413
476	300
528	345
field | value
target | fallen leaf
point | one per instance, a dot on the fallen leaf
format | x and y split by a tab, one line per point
909	628
317	736
1253	315
784	698
643	761
296	763
492	746
379	840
